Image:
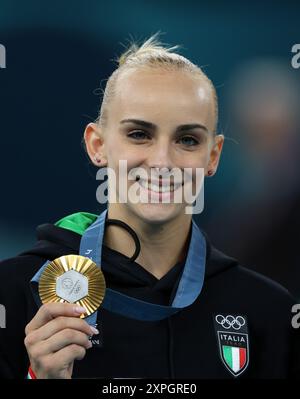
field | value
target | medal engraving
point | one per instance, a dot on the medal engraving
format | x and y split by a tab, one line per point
72	286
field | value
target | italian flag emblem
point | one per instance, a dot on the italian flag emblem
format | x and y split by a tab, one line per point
234	351
233	339
235	357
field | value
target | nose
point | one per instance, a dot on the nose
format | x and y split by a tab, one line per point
159	157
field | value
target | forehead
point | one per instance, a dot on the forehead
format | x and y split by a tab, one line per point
159	93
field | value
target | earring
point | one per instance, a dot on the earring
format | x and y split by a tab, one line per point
210	172
96	159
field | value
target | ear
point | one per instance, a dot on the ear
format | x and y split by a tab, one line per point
215	154
94	144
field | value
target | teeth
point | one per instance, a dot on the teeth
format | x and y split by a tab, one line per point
156	188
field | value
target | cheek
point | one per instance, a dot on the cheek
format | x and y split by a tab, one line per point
195	165
193	160
116	152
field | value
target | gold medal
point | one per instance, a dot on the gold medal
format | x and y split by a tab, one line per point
74	279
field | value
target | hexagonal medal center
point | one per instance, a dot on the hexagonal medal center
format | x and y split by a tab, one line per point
72	286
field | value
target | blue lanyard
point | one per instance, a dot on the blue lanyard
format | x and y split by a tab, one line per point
188	290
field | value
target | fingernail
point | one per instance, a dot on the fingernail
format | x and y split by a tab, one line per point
79	309
94	331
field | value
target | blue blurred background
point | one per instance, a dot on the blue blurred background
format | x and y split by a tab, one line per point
60	52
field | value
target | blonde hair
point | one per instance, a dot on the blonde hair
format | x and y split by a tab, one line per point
151	53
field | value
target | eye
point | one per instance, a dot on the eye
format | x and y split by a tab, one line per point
189	141
138	135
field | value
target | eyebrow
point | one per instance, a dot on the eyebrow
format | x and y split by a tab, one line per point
150	125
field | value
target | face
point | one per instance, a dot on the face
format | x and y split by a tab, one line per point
158	120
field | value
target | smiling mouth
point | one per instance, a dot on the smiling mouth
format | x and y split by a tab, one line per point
159	186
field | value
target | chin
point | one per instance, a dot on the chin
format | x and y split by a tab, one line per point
156	213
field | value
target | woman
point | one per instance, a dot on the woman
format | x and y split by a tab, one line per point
185	309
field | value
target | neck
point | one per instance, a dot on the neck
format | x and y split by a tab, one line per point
162	244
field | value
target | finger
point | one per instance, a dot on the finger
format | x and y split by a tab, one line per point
50	311
62	323
67	355
64	338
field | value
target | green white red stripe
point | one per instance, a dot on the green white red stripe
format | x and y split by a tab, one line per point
235	357
30	374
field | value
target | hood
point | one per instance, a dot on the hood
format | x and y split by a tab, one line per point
53	240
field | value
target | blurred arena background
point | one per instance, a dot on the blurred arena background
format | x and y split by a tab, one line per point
60	52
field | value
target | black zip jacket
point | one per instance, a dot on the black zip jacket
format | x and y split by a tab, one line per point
186	345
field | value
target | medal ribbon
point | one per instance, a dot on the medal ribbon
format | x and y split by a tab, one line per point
188	290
